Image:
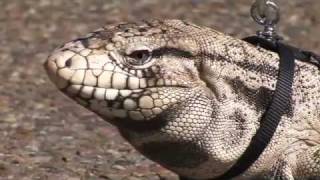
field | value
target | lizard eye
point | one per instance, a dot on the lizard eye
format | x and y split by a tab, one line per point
139	57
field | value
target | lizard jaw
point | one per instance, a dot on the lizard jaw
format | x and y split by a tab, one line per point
98	84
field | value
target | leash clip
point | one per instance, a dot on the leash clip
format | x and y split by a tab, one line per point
267	14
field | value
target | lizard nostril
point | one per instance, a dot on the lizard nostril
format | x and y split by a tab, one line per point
68	63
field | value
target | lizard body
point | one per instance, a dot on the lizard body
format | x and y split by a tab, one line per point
191	98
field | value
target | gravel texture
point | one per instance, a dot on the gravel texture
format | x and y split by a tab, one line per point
43	134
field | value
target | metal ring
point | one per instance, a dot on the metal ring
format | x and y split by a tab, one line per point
268	16
261	6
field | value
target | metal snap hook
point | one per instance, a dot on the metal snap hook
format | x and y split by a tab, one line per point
267	14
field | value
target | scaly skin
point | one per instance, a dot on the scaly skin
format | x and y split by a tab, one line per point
191	98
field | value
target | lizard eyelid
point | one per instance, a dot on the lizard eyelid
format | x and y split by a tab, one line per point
139	57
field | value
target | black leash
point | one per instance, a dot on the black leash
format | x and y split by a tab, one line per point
279	105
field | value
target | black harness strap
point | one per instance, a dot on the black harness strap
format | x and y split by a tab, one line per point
301	55
281	102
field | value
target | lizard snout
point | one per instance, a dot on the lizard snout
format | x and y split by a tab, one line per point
75	65
58	68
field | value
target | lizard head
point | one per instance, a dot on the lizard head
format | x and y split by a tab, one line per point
128	71
176	91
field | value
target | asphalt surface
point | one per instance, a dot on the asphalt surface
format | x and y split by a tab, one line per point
43	134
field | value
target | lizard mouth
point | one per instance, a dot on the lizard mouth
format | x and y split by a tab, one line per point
113	93
137	104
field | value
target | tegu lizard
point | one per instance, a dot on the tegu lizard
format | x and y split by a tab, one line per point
191	98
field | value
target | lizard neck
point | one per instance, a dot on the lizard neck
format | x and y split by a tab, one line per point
234	69
242	79
226	58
